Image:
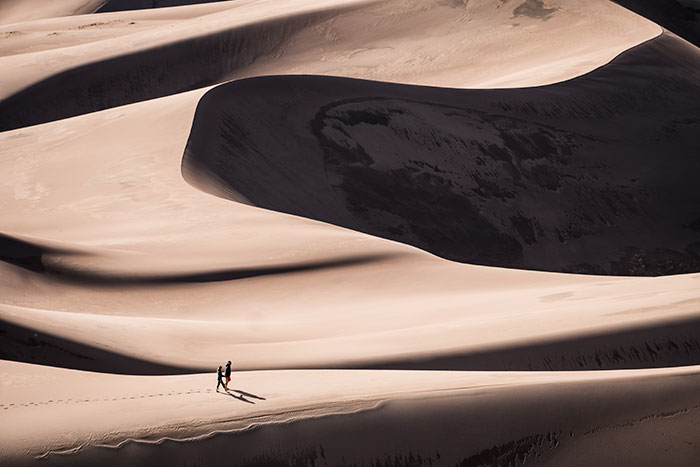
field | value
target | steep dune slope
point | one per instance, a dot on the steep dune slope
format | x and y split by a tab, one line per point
479	43
590	175
183	54
679	16
121	5
111	261
121	241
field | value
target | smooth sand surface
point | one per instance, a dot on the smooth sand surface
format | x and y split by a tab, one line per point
148	243
16	11
109	411
430	42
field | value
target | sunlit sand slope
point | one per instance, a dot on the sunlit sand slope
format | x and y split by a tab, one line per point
476	44
341	417
299	225
121	241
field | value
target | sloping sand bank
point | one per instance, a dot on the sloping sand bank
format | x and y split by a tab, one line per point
584	176
349	417
110	261
478	43
15	11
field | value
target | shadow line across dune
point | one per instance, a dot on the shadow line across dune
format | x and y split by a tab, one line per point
593	175
657	345
32	257
661	345
22	344
183	65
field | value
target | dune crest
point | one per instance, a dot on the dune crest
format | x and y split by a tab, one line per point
475	44
529	176
298	224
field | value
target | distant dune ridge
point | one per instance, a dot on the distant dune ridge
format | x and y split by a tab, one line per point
122	5
425	232
452	44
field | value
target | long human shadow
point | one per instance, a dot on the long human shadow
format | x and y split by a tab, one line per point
240	398
247	394
31	256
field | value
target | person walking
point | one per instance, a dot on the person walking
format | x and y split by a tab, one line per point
219	379
227	375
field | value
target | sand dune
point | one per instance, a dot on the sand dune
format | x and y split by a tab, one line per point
121	5
431	167
554	417
682	17
62	33
478	44
15	11
319	266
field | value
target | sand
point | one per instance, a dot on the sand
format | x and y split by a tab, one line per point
170	225
552	415
474	44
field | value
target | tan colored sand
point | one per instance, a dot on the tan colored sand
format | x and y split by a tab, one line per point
480	44
16	11
111	410
107	188
133	213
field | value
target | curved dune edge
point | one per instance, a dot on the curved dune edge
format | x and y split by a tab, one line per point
589	327
421	279
108	264
454	45
16	11
187	417
431	167
678	17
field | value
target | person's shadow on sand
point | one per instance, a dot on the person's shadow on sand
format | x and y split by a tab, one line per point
247	394
241	395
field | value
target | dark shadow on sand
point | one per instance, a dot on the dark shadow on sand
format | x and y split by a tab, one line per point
673	15
650	346
247	394
31	256
126	5
26	254
21	344
148	74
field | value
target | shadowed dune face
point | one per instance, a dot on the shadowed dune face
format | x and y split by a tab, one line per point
586	176
21	344
121	5
656	346
679	16
148	74
113	266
